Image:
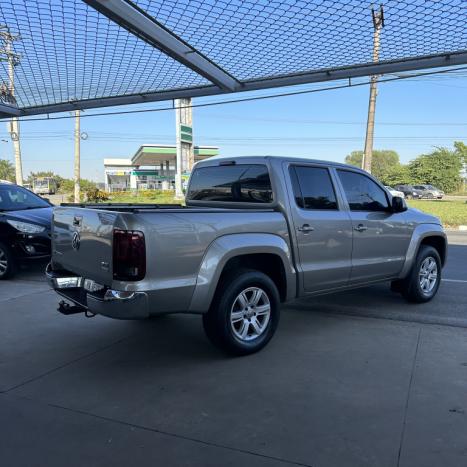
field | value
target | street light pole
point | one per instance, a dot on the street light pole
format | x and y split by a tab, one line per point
13	60
184	135
77	156
378	24
178	161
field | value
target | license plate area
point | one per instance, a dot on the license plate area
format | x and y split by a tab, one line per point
92	286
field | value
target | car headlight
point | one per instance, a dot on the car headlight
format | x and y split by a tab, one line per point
26	227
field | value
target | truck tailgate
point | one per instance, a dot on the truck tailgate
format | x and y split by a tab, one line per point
82	242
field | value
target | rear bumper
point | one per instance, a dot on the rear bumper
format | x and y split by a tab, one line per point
106	302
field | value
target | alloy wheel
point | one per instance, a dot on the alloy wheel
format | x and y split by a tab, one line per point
250	314
428	275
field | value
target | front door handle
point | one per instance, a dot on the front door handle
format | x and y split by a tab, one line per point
305	228
360	228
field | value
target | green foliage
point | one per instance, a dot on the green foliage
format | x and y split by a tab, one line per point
147	196
461	150
7	170
42	174
451	213
385	164
94	195
440	168
67	185
398	175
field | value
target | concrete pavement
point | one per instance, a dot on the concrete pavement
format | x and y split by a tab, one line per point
339	385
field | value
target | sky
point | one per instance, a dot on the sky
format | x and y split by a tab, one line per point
412	117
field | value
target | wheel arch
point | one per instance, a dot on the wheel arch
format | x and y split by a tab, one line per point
425	234
438	243
267	253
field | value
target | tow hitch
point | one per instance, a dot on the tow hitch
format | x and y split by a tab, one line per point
66	309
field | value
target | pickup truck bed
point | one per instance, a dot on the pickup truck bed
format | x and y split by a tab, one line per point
177	239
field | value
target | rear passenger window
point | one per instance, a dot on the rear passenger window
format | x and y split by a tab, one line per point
362	193
240	183
313	188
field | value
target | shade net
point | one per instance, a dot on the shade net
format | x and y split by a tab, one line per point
67	51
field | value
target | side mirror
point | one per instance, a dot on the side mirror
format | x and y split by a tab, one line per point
398	204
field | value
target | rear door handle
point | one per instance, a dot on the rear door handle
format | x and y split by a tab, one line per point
360	228
305	228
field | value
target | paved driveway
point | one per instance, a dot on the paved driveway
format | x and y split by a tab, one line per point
356	379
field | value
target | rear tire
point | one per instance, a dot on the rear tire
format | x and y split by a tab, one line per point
7	262
423	281
244	313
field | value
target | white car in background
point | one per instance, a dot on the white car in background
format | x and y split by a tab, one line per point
394	192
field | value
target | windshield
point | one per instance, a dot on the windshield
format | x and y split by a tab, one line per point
41	183
16	198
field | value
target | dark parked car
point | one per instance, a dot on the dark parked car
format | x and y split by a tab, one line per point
25	221
409	191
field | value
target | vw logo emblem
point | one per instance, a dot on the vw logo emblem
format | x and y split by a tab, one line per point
75	242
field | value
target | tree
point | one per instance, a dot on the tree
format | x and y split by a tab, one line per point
384	162
461	150
441	168
67	185
7	170
398	175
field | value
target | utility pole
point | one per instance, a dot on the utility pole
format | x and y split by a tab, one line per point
378	24
13	60
77	155
185	149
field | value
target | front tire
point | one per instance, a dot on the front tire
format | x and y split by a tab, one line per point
7	262
244	314
423	281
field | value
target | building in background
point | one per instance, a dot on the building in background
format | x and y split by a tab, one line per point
151	168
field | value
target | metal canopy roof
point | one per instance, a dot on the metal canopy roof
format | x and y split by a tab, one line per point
95	53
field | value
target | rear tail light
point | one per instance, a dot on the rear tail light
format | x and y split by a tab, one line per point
129	255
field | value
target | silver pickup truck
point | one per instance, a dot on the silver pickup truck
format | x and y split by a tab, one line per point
255	232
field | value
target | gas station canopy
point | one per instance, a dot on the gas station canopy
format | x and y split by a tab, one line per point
81	54
155	154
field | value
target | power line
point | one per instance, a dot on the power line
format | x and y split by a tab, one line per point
265	139
246	99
